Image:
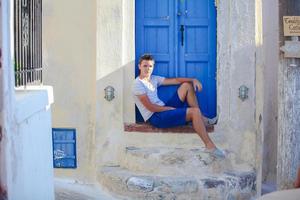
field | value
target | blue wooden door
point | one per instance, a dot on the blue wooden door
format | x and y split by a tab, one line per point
181	35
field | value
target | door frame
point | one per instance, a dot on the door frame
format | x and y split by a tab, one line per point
177	50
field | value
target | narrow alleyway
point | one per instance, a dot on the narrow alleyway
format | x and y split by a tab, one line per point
68	190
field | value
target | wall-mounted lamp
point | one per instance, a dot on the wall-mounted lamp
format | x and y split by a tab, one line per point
243	92
109	93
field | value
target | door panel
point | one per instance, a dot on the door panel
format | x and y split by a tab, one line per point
197	55
155	32
197	8
155	35
187	53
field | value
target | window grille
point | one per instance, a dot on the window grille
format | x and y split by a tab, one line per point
28	42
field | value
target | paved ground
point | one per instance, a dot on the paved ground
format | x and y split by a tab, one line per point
69	190
293	194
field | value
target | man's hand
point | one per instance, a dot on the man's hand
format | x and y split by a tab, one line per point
197	85
170	108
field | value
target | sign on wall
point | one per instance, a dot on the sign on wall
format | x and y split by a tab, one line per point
291	25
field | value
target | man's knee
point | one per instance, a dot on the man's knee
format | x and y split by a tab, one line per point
183	90
186	86
195	111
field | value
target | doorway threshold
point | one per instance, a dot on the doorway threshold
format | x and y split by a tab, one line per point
148	128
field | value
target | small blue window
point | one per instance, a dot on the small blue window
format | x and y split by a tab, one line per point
64	148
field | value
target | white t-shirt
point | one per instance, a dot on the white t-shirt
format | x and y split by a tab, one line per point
141	87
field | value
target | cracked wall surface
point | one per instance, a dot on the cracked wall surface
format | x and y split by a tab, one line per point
288	159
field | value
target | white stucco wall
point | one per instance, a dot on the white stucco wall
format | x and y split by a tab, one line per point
236	67
6	88
26	169
109	117
29	147
271	64
69	61
259	92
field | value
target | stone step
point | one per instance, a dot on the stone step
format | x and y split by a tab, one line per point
132	185
148	128
178	161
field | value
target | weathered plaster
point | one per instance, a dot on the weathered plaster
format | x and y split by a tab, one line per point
270	81
259	115
109	36
236	67
69	61
128	60
30	146
288	158
109	118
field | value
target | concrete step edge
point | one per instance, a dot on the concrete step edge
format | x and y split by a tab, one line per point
134	185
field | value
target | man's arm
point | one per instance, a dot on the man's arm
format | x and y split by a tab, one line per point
175	81
152	107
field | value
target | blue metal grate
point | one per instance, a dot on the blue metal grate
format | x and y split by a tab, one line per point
64	148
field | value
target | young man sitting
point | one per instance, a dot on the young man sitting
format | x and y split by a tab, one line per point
174	112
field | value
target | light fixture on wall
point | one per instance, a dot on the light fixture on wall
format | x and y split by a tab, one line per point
243	92
109	93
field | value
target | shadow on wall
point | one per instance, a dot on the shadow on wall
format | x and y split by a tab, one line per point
121	80
110	115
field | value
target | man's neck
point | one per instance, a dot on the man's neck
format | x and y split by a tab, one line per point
147	78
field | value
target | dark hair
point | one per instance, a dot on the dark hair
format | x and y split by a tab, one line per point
146	57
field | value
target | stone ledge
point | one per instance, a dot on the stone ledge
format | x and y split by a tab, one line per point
170	161
147	128
132	185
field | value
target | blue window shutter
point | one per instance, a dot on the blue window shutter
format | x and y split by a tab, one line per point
64	148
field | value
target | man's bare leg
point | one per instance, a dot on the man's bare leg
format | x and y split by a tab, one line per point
187	93
194	115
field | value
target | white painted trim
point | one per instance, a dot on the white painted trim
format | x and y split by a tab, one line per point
8	56
8	44
32	100
7	82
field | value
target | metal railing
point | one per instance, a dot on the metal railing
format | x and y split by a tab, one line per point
28	42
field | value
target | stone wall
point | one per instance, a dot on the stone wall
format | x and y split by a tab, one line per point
236	67
288	158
